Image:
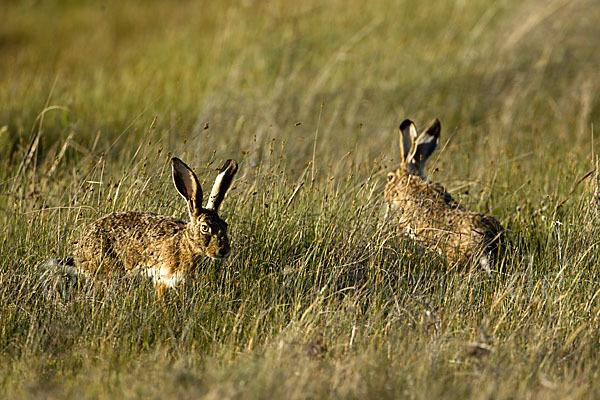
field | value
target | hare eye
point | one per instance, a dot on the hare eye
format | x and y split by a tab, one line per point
390	177
204	228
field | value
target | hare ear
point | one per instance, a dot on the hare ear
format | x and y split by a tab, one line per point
188	186
408	134
222	184
426	144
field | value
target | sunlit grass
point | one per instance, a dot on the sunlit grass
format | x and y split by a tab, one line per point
321	296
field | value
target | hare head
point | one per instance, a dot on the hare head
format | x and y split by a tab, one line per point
402	191
206	229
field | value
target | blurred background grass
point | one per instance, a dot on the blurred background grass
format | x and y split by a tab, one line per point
320	299
515	80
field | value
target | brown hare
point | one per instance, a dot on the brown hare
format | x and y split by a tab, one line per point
159	246
428	213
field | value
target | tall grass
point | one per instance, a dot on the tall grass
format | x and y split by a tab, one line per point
321	296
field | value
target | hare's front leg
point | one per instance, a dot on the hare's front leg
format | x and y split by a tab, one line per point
161	289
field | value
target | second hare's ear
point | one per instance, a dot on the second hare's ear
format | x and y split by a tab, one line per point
188	186
408	134
425	145
222	184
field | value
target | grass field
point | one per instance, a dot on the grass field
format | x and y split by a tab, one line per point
320	298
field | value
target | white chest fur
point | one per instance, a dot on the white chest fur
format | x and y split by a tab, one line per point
163	275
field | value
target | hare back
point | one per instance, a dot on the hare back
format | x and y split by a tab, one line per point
429	213
132	241
474	235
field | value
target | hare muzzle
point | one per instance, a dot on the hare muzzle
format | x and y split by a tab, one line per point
219	247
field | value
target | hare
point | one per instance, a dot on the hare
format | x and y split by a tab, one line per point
428	213
162	247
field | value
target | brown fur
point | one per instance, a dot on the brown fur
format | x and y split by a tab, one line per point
163	247
428	213
139	239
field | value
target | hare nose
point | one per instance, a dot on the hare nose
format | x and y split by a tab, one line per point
223	253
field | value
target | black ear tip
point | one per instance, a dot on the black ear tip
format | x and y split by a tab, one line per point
434	128
405	124
181	167
230	165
